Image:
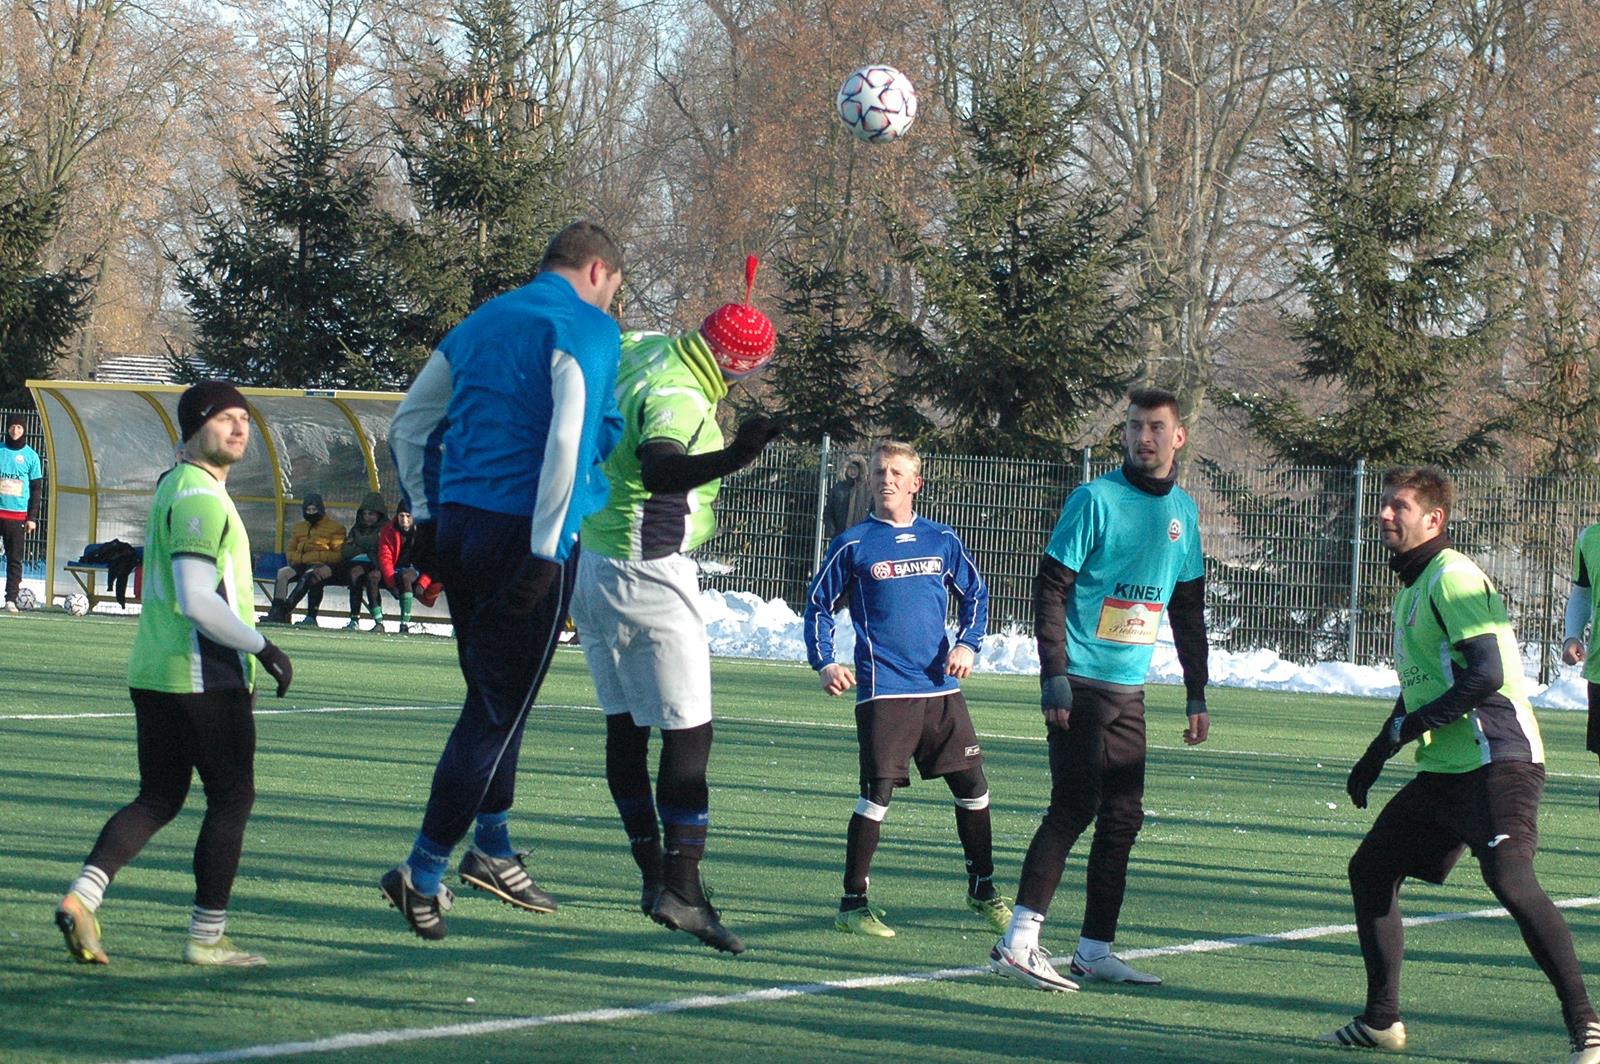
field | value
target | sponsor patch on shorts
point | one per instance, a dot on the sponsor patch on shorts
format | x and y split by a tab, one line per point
974	751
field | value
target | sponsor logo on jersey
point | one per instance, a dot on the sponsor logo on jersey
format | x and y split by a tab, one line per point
906	537
895	570
1174	530
1122	621
194	526
1142	592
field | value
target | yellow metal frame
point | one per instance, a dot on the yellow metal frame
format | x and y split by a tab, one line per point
60	392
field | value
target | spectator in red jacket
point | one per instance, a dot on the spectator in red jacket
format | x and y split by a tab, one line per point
400	573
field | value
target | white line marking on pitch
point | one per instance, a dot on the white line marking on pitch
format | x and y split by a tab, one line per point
396	1036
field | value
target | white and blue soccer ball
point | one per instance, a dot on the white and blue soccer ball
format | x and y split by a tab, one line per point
26	599
77	604
877	104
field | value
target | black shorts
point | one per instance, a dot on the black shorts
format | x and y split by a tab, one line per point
937	732
1493	811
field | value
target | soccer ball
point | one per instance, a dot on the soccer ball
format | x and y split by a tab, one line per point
77	604
877	104
26	599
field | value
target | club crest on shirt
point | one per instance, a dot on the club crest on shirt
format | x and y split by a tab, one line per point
903	567
1175	530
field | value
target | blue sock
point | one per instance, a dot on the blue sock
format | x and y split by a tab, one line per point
428	862
491	835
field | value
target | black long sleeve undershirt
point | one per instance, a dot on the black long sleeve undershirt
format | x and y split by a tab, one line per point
1186	612
1482	677
665	469
1050	590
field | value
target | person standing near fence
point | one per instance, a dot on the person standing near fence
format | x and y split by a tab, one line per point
637	607
899	570
1125	550
21	491
1480	767
1581	618
191	673
499	445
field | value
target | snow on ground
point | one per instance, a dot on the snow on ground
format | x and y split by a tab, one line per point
744	625
741	624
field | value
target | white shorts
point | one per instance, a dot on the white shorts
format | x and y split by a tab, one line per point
645	640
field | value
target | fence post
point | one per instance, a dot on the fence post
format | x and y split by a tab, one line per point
1083	471
822	500
1355	557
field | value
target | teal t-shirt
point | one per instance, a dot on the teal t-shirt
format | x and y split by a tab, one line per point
19	468
1128	548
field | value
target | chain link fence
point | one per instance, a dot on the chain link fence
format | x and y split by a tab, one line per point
1293	559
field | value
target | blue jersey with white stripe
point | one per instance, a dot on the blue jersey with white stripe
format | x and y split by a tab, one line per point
516	413
900	578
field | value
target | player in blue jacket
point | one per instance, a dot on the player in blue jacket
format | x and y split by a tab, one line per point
900	570
499	445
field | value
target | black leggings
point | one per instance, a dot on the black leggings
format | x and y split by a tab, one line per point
213	734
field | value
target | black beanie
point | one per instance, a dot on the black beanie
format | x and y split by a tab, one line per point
200	401
15	419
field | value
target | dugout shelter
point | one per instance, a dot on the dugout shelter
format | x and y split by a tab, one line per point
109	443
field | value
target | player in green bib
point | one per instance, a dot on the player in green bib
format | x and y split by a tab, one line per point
190	674
1480	767
636	601
1581	608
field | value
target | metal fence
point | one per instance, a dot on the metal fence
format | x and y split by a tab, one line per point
1293	559
33	546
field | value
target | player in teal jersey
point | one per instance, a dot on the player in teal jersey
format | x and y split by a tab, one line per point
191	675
1581	607
1480	767
21	491
1125	550
636	605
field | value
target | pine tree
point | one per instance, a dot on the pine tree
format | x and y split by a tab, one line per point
39	309
293	289
489	165
1395	278
1028	330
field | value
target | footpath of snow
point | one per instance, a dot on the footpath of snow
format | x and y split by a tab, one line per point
744	625
741	624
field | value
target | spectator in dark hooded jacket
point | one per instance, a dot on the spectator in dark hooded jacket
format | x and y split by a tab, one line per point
359	555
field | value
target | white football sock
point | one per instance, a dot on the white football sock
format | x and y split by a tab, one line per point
90	886
1092	949
1024	930
207	925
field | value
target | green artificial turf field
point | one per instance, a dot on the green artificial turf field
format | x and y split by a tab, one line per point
1247	835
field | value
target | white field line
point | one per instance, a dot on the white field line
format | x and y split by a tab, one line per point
831	725
401	1035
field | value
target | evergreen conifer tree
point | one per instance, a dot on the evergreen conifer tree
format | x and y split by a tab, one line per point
39	309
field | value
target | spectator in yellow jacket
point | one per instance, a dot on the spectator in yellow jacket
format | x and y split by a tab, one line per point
314	549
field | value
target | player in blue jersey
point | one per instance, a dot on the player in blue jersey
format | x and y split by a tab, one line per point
499	446
900	570
1125	550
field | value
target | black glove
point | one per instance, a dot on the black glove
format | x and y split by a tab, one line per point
424	550
1055	698
754	435
529	584
1366	771
277	664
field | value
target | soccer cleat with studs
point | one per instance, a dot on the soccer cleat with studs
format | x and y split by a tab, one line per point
993	909
1358	1035
81	930
863	920
1585	1044
1111	969
506	878
424	914
1030	965
698	918
220	954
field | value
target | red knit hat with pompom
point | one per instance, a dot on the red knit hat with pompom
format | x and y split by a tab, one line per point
741	338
